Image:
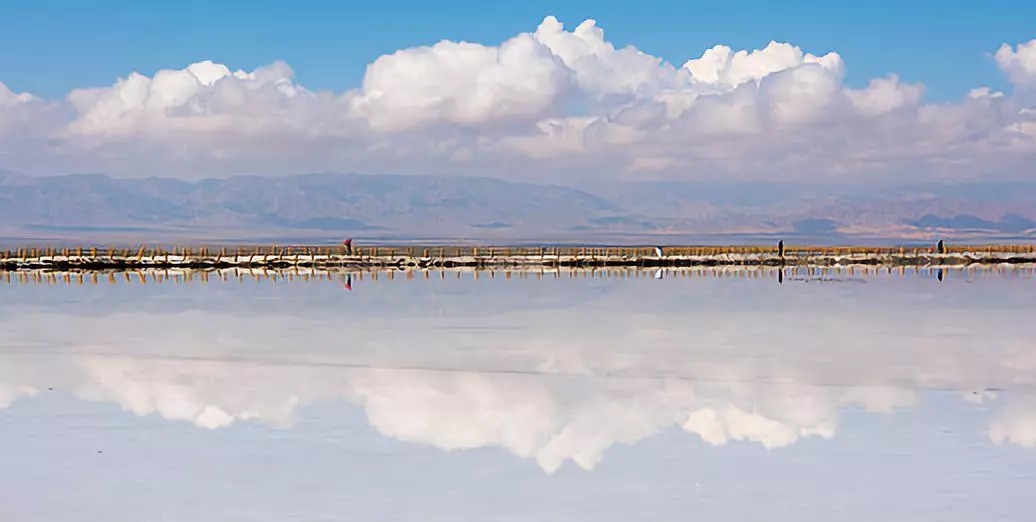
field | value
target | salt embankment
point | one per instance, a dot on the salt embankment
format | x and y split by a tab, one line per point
417	258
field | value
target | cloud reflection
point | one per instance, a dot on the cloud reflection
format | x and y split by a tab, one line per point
725	361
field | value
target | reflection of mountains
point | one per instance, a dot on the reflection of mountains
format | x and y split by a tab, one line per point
724	361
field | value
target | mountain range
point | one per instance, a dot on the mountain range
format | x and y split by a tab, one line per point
387	207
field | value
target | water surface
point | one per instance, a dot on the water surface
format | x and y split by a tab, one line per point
879	397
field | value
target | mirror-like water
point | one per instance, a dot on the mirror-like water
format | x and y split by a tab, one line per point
863	397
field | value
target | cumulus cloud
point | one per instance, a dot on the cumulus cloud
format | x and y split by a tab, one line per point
884	95
10	99
601	71
21	115
548	101
204	100
1019	63
461	83
722	66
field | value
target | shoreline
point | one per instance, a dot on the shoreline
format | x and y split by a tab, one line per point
502	258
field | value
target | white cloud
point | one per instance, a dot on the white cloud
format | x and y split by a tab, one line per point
9	98
601	71
544	103
984	92
1019	63
21	113
885	95
722	66
461	83
202	98
801	94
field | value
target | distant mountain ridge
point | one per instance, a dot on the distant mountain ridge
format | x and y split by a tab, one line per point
388	205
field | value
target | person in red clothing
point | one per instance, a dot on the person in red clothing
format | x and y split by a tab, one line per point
348	251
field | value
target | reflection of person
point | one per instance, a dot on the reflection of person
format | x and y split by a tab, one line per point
349	246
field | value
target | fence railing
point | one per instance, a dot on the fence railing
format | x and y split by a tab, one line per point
449	251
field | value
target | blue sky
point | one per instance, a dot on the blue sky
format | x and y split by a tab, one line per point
924	90
53	46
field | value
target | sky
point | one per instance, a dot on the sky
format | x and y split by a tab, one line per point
924	89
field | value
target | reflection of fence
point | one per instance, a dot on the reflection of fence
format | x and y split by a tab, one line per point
341	276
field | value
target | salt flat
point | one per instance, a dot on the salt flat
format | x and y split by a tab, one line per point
898	396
